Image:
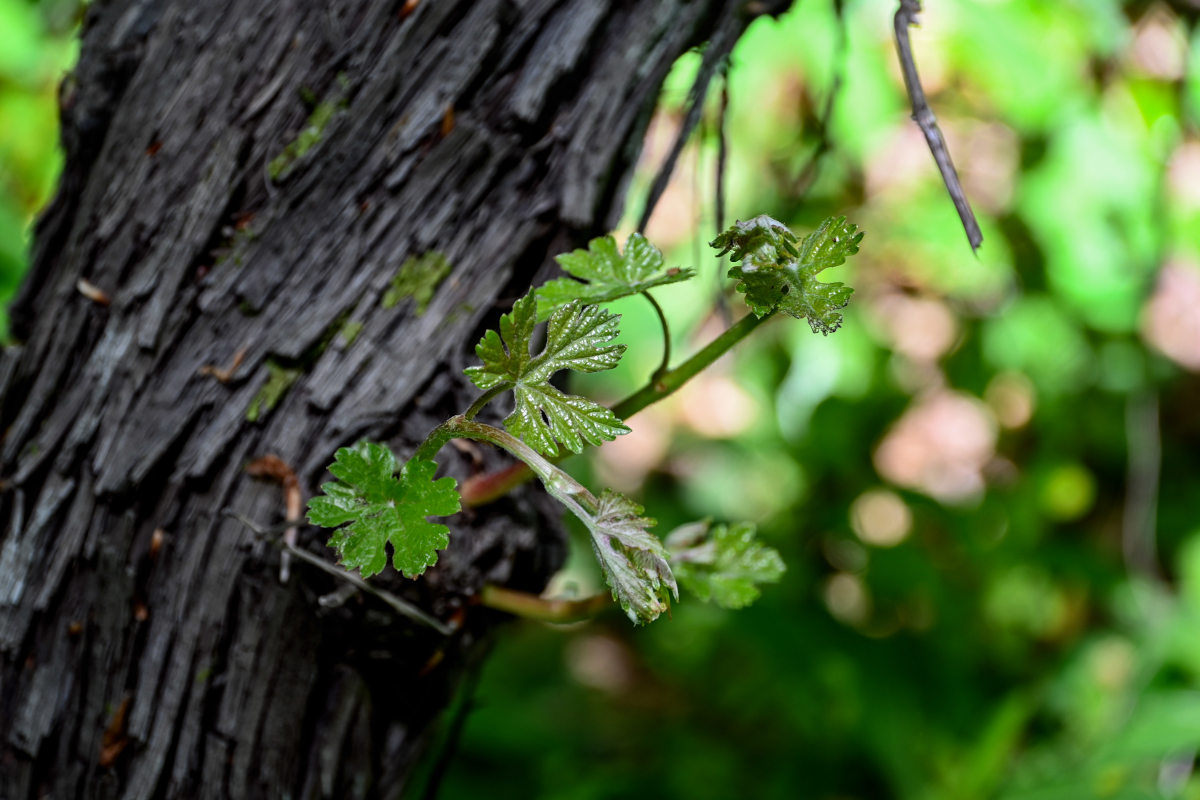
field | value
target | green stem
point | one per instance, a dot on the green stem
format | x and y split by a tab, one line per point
434	440
665	364
670	382
484	399
553	609
487	488
561	486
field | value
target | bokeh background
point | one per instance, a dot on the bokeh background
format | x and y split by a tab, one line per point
986	485
37	47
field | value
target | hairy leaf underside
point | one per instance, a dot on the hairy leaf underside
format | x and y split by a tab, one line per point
723	564
634	560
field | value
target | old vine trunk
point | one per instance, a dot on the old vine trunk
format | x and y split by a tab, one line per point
247	178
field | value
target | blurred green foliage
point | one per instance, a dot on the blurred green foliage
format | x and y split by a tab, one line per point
37	46
984	485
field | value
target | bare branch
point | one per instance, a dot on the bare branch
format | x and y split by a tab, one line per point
722	300
397	604
715	55
722	155
906	15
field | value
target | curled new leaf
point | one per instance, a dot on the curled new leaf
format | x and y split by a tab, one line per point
761	241
376	506
605	273
724	564
775	274
577	338
633	559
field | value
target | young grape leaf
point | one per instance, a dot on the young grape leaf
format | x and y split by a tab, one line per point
383	507
775	274
723	565
760	242
608	274
577	337
633	559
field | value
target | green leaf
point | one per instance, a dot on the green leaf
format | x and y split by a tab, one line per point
383	507
607	274
723	565
577	337
760	242
634	561
775	274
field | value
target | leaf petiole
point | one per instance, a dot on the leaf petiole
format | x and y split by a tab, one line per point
544	609
665	365
558	483
483	400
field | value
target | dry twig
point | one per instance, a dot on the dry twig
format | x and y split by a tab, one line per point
224	374
714	58
906	15
275	468
397	604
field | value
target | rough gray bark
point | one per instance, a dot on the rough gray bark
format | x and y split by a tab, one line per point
209	676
